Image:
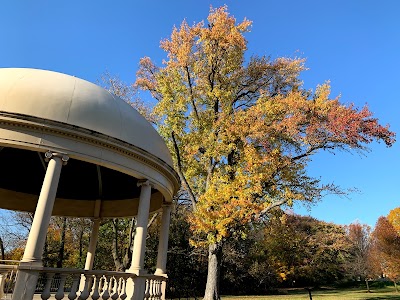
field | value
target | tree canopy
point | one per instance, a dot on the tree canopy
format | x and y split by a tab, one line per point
241	132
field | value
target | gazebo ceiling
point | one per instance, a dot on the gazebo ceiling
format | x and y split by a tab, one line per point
110	145
81	184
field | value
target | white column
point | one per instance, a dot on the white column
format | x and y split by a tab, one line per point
163	241
139	246
27	279
92	244
135	289
37	234
94	235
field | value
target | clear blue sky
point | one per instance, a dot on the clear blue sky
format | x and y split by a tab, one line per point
354	44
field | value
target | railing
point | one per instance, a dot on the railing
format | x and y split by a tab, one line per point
154	288
7	278
76	284
94	284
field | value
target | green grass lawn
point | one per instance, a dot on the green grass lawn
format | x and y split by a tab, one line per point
328	294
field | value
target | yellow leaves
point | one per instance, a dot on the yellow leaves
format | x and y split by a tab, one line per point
282	276
224	206
181	43
223	28
322	93
283	219
394	219
290	65
145	75
284	271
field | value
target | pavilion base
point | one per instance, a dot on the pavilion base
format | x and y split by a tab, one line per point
25	285
136	286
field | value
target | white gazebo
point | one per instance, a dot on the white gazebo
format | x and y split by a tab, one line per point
70	148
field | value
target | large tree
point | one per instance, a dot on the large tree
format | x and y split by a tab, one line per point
242	130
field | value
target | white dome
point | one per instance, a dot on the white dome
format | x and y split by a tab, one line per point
70	100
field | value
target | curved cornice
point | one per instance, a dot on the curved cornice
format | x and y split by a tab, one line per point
99	140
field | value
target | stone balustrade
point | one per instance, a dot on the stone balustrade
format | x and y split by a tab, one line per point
7	277
77	284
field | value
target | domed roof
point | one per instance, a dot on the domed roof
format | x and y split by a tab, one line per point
67	99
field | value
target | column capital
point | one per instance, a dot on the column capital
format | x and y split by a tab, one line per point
49	155
166	205
145	182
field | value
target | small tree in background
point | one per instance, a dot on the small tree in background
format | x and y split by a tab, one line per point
306	251
128	93
394	219
386	248
360	265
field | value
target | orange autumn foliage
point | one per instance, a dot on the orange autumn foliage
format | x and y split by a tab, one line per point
386	249
394	219
242	131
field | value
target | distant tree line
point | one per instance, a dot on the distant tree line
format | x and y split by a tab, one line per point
283	250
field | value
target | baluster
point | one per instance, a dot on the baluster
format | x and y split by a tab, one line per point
86	289
106	287
147	289
115	293
151	285
60	292
95	292
123	289
111	287
101	283
151	289
46	292
10	282
72	294
155	289
120	282
159	291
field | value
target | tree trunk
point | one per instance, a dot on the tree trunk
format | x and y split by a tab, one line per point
115	253
309	292
366	281
395	285
128	252
2	250
214	266
45	255
62	244
81	257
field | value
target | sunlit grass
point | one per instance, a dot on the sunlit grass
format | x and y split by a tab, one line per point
358	294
